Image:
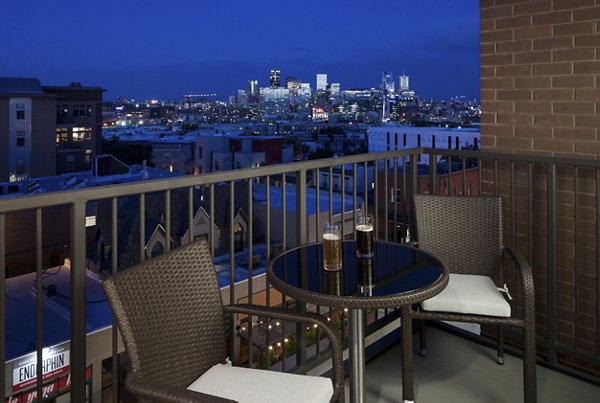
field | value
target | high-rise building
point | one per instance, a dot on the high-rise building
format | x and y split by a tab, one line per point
321	82
335	89
387	94
403	83
275	102
275	79
253	91
292	84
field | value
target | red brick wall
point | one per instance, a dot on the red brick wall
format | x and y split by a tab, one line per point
540	78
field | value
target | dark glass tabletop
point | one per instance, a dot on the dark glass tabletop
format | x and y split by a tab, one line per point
395	276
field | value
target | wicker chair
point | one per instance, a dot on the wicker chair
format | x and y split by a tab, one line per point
466	234
173	324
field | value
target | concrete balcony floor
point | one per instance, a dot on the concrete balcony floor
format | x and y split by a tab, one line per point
458	370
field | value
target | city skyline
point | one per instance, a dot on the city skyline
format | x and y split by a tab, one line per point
146	50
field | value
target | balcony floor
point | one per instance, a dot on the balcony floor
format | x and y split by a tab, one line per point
458	370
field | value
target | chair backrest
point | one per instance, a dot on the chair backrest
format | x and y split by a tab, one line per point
465	232
170	314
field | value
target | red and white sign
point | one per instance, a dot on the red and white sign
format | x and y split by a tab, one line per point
59	386
55	362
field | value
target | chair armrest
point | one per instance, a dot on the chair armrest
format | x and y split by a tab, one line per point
526	280
306	317
157	392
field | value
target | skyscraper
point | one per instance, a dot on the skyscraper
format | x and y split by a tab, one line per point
253	90
387	94
275	79
321	82
403	83
335	89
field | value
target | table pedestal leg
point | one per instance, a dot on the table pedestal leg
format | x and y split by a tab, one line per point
408	393
357	356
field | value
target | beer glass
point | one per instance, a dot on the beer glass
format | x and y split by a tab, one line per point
332	246
333	282
364	276
364	236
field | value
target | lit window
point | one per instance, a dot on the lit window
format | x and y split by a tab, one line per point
82	133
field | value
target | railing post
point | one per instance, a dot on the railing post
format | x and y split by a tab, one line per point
432	174
78	327
301	238
301	207
551	269
3	303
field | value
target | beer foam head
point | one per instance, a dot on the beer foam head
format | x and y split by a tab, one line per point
364	227
331	237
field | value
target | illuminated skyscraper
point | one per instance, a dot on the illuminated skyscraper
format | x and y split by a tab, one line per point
253	90
275	79
403	83
321	82
335	89
387	94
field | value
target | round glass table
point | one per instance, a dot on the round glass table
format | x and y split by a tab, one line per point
396	276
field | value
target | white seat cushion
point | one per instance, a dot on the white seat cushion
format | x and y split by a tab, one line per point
248	385
470	294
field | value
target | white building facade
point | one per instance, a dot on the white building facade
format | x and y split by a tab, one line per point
397	137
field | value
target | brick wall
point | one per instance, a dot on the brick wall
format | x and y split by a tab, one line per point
540	78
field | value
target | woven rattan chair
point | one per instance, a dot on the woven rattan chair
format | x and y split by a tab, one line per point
173	324
466	234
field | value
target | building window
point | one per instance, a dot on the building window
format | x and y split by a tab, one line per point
200	152
62	135
82	133
20	139
20	114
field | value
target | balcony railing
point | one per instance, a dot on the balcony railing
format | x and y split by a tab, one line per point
551	208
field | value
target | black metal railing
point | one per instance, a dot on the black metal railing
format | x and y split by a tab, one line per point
249	215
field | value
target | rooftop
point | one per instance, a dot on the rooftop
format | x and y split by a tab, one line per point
259	195
19	85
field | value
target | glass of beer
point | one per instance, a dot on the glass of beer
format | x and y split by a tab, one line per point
364	236
333	282
332	246
364	276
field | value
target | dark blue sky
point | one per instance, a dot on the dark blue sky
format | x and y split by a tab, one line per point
166	48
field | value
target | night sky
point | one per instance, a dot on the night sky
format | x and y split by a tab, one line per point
167	48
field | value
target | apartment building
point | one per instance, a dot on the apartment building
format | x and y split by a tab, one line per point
27	130
47	130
